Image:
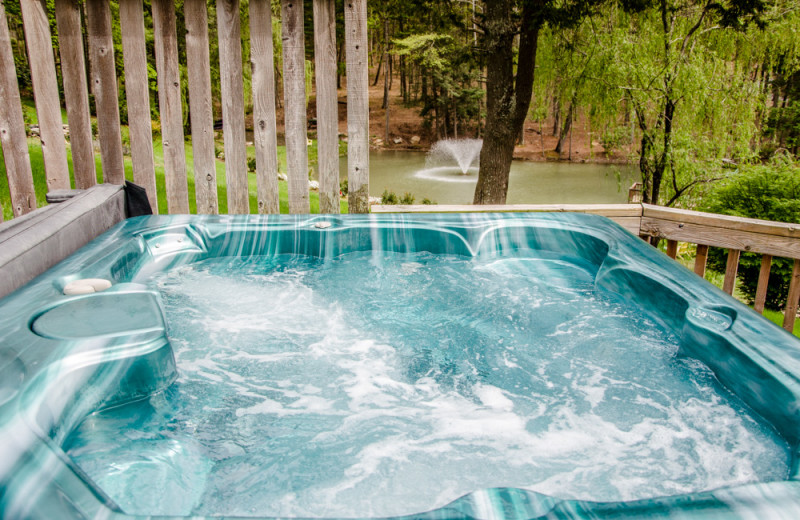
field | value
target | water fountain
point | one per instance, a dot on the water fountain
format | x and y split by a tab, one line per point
452	160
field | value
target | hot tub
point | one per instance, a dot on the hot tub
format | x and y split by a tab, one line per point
425	366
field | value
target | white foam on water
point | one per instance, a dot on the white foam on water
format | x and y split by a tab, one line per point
430	379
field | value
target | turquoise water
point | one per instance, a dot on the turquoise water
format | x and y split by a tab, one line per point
304	394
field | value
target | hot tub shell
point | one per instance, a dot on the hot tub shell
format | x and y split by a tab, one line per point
65	357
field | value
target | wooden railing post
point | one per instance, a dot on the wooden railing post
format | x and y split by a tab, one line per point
793	299
700	260
327	105
45	92
264	131
12	128
672	248
169	101
76	94
134	54
763	283
355	22
104	87
731	269
198	65
232	90
294	89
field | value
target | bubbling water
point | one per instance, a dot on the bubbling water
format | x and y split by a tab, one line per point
464	152
381	384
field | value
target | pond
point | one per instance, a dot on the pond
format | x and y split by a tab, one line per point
530	182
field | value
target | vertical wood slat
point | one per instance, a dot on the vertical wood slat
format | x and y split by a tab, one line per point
232	90
76	95
731	269
700	260
264	132
672	248
327	105
134	54
202	116
355	21
104	87
12	128
294	93
169	100
763	283
45	93
793	299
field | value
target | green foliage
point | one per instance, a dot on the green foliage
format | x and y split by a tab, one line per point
407	199
612	139
389	197
343	188
426	201
769	192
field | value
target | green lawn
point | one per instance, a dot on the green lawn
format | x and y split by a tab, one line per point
37	165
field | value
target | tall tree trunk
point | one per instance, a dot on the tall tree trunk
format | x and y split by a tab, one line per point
507	97
567	127
378	73
387	73
556	115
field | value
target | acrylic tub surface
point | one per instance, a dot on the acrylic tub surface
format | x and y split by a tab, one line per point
64	358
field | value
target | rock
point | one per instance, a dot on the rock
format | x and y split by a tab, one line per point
309	142
378	142
313	185
221	156
397	140
374	200
282	177
415	139
34	130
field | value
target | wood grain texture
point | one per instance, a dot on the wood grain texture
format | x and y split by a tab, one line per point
200	109
169	100
103	79
137	91
264	132
700	260
763	283
672	248
327	105
722	221
731	268
355	28
232	89
793	299
12	129
294	93
76	92
45	93
750	241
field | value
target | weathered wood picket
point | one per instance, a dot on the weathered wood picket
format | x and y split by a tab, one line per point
102	83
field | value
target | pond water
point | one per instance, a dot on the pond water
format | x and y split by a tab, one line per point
530	182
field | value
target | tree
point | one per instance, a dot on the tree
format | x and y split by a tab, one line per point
691	101
509	88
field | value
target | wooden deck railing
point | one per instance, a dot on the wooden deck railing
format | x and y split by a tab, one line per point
103	83
736	234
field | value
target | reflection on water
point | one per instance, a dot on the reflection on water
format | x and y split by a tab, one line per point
530	182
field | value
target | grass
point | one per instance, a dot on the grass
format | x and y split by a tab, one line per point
40	184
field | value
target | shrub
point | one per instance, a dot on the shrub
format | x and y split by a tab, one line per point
407	199
769	192
388	197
